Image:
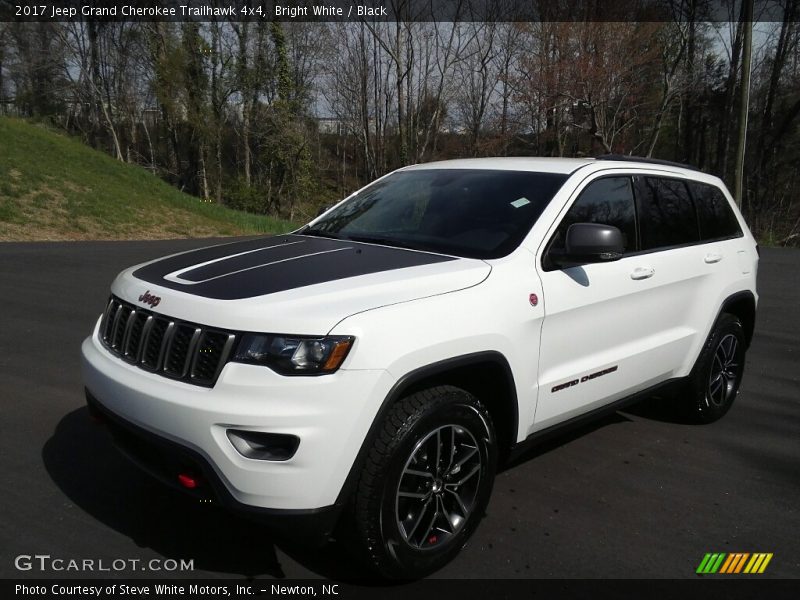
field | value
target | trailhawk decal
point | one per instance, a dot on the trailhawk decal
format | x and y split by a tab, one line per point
276	264
595	375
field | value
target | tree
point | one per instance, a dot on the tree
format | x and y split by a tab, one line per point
744	101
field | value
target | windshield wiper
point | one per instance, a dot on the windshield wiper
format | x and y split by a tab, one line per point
321	233
370	239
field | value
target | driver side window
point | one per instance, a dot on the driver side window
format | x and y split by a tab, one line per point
405	211
608	201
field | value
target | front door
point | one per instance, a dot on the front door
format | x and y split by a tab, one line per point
608	329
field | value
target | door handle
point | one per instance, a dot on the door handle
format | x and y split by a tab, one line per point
712	257
642	273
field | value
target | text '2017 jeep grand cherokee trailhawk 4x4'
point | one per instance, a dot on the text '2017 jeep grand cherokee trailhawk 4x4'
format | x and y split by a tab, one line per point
385	357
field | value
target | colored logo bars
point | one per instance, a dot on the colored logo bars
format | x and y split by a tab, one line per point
737	562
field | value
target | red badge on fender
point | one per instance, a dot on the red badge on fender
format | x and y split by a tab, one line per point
534	299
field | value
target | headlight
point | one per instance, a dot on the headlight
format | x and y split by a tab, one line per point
294	355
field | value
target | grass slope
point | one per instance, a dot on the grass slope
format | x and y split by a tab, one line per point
53	187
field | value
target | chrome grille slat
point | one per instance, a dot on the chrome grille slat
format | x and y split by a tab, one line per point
152	348
148	324
111	328
133	343
226	352
177	352
165	346
120	321
126	337
104	332
166	342
191	351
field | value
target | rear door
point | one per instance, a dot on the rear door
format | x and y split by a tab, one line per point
688	237
721	258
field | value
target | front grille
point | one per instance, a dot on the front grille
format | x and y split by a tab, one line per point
166	346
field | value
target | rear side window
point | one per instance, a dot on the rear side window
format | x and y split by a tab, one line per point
715	214
608	201
666	213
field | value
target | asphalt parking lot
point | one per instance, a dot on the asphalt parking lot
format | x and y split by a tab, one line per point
636	495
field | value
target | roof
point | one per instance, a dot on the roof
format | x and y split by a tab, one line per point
556	165
519	163
647	161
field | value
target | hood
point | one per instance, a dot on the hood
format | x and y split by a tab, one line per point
292	283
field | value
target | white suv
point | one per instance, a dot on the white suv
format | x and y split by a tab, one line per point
377	363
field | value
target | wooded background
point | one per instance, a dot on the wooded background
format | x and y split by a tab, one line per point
281	118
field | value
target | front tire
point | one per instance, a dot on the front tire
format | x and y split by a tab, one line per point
717	375
426	482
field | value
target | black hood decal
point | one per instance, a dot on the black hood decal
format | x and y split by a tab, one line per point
276	264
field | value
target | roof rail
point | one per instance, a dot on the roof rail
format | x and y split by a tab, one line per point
641	159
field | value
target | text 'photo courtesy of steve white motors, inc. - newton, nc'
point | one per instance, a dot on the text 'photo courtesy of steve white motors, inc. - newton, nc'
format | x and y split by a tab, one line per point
173	590
189	10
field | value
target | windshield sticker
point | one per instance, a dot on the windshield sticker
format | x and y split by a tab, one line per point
520	202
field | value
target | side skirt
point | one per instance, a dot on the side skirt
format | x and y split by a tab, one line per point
549	433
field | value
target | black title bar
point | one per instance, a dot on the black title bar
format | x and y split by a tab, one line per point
385	10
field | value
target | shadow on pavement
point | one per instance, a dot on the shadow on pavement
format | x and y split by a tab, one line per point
82	460
561	438
655	408
661	408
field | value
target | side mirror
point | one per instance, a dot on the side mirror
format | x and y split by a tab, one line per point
590	243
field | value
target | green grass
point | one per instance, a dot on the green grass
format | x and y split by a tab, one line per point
55	187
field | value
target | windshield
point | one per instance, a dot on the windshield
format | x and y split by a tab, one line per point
474	213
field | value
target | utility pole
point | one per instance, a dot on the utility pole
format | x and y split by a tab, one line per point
744	101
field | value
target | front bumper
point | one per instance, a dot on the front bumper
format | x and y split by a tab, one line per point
163	459
330	414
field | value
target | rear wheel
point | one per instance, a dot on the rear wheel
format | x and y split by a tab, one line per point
715	380
426	482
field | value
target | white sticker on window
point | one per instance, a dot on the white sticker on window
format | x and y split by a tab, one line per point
520	202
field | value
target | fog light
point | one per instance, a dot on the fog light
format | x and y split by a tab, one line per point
264	446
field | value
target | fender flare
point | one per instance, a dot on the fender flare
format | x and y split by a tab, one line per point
744	296
407	382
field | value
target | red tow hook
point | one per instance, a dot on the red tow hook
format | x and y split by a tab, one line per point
188	481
